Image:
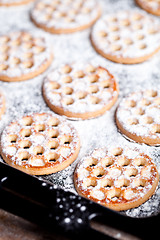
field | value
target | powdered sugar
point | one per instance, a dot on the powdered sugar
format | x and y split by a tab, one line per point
152	4
79	90
39	141
26	97
139	113
127	34
32	52
113	177
65	14
11	150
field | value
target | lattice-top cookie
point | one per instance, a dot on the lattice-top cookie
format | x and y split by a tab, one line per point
40	144
80	90
65	16
126	37
151	6
23	56
138	116
9	3
2	103
118	178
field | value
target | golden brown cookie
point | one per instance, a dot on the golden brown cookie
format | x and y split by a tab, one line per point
23	56
68	16
39	144
80	90
127	37
138	116
10	3
118	178
151	6
2	104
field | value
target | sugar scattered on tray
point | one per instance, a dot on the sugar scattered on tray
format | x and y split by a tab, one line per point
25	97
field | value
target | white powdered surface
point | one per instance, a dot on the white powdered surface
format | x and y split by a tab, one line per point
58	97
153	4
139	38
63	16
10	1
26	97
20	52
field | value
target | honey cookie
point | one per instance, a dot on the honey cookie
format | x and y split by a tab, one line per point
65	16
10	3
23	56
41	143
137	116
118	178
151	6
2	104
127	37
80	90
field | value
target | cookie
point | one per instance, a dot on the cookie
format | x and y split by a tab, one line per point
138	116
127	37
10	3
65	16
151	6
23	56
118	178
80	90
39	144
2	104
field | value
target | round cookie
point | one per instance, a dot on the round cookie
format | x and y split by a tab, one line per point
39	144
151	6
10	3
65	16
2	104
118	178
127	37
80	90
23	56
138	116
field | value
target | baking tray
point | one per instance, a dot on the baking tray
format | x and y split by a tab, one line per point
26	97
66	213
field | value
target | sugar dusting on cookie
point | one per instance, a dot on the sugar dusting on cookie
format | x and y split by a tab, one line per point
80	90
115	169
23	55
127	36
139	115
25	98
65	16
152	6
40	141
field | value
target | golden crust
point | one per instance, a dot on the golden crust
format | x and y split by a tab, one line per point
108	39
28	76
44	170
147	6
140	139
83	116
91	90
60	30
66	31
122	60
122	206
137	117
40	144
24	62
112	196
